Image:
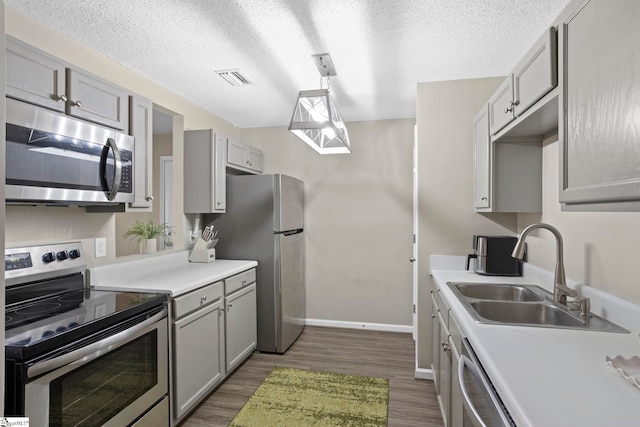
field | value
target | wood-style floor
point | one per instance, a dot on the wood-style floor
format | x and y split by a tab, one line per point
390	355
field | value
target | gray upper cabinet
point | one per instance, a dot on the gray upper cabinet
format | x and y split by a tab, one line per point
534	76
537	73
141	128
600	94
34	77
507	173
38	78
481	160
244	158
205	176
97	100
501	106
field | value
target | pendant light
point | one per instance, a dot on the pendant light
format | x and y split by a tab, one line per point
316	119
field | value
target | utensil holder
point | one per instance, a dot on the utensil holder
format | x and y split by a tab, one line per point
201	253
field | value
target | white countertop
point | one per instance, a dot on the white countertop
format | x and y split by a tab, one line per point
169	273
552	377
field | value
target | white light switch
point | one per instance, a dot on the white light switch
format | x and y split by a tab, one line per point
101	247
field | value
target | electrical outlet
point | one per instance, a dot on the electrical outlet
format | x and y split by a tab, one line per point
101	247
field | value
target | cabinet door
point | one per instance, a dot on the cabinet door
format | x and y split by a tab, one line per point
599	99
236	153
241	325
198	356
255	159
445	372
481	160
33	76
205	172
97	100
537	73
435	342
501	106
141	125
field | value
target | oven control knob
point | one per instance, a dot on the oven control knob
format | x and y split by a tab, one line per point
62	255
48	257
74	253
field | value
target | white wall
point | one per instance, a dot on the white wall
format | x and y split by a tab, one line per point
447	221
357	219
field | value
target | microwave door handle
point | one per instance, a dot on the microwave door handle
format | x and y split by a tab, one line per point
117	174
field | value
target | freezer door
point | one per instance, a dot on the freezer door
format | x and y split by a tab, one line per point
290	311
289	203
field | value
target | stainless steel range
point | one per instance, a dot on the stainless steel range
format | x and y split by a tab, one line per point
76	356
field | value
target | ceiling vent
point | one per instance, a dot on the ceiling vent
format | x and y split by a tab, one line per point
235	77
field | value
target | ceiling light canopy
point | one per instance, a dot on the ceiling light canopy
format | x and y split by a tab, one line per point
316	119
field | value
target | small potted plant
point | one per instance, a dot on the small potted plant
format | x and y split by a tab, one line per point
146	233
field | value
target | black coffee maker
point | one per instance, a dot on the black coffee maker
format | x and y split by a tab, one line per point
493	256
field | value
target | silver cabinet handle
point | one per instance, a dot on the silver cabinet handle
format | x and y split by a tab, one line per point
148	198
445	346
484	199
95	350
62	98
412	259
76	104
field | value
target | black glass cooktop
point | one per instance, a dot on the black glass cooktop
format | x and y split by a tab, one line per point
46	323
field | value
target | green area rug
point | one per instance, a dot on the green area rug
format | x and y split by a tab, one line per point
296	397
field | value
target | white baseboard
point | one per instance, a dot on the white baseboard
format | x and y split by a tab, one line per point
423	374
359	325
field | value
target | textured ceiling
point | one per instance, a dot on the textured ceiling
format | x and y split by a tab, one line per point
381	48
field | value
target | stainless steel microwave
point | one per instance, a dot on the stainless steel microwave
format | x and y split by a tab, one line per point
56	159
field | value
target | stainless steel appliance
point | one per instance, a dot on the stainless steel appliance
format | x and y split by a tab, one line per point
76	356
55	159
493	256
482	405
265	222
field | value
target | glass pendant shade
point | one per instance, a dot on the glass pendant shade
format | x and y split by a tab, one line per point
317	121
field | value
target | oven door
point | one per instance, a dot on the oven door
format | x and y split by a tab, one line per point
111	382
53	158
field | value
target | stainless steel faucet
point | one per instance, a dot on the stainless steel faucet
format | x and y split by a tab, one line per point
560	289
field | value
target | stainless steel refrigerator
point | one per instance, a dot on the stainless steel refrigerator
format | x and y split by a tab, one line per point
264	221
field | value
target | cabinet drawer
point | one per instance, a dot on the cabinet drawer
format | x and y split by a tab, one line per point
238	281
196	299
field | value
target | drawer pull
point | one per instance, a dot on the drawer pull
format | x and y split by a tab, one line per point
203	300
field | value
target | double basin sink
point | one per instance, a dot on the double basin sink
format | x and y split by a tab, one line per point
524	305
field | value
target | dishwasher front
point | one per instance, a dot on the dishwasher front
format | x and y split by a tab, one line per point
482	405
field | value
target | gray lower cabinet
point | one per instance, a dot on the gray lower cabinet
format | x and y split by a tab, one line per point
447	342
600	94
205	176
198	346
38	78
241	325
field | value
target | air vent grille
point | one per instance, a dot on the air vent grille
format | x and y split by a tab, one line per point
235	77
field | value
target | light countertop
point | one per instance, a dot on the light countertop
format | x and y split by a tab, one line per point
551	377
170	273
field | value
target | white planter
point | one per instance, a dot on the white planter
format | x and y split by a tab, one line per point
151	246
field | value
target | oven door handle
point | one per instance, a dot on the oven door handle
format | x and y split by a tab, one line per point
94	350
